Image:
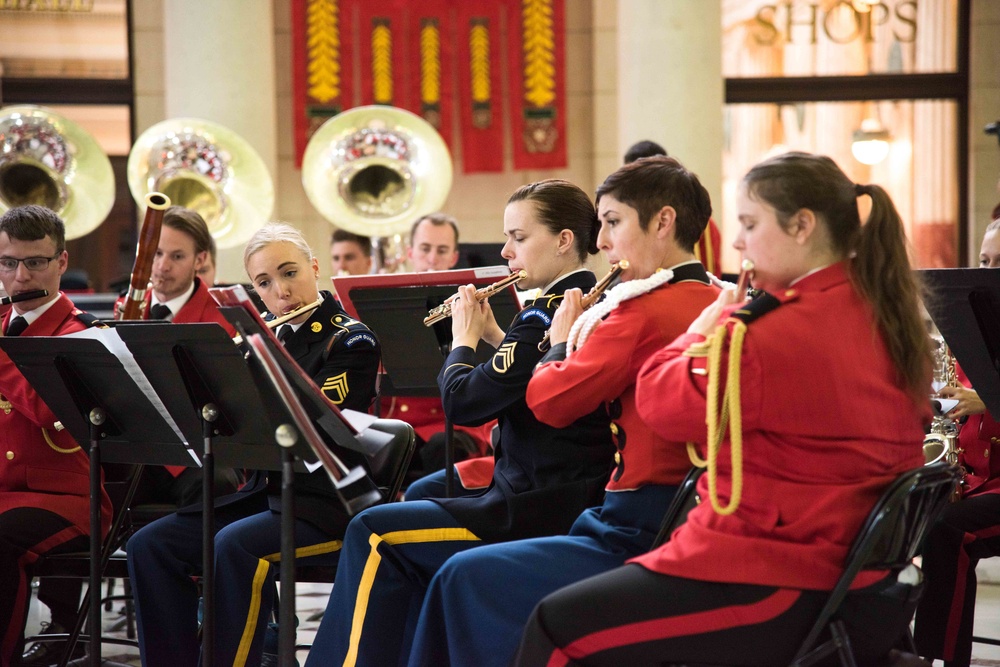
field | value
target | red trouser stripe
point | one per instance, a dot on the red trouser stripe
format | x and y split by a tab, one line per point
677	626
20	603
957	599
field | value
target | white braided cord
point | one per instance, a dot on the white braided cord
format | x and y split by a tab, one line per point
588	321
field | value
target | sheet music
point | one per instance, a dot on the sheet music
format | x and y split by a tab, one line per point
116	346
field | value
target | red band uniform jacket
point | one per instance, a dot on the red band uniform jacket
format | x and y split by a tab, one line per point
603	372
825	431
42	466
979	440
201	307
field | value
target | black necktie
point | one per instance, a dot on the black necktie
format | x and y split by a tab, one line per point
159	312
16	326
284	333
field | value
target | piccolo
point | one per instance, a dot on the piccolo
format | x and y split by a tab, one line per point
444	310
591	297
23	296
278	321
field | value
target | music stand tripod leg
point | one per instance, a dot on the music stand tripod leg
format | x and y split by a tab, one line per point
209	413
286	436
96	418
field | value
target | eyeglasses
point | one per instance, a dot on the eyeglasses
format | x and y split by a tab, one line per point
33	264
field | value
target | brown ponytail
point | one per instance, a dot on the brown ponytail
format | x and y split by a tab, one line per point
881	272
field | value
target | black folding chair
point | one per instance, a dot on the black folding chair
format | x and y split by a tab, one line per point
684	501
888	540
388	462
120	483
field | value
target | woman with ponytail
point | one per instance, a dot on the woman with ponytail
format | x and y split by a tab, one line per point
543	476
815	397
652	213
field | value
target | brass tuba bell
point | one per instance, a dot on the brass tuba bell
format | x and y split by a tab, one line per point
48	160
373	170
208	168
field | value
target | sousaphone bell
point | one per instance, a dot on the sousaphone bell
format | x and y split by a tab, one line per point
49	160
208	168
373	170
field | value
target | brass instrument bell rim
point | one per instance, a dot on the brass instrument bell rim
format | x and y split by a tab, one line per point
428	163
88	179
248	186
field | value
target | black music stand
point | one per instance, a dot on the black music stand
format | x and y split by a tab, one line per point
395	305
235	410
965	307
99	402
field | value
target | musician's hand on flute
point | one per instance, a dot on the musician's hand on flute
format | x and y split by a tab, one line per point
492	333
707	322
568	312
468	318
969	402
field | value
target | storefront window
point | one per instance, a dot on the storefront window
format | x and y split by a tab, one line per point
911	146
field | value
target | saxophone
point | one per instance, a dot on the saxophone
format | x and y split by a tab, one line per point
941	444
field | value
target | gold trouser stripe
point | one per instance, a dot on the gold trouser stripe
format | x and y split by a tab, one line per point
311	550
259	577
371	568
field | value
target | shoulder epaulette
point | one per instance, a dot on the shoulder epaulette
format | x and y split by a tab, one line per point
547	301
88	319
757	308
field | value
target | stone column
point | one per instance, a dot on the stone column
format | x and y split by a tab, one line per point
669	82
219	64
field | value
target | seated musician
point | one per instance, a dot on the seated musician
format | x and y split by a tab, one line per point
44	482
342	357
434	247
544	476
652	213
350	254
967	530
178	294
742	581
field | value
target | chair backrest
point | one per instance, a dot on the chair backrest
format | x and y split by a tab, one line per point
893	532
685	499
388	446
120	483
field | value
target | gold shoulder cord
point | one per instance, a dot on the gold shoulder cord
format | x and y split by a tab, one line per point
718	419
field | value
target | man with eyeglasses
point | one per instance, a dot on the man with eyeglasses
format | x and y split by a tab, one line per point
44	479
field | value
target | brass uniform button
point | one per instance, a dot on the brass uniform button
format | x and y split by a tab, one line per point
316	327
986	454
618	458
994	440
614	428
789	292
404	408
10	456
434	411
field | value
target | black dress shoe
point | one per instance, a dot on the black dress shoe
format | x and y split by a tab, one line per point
43	654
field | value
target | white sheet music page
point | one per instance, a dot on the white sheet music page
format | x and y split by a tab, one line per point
116	346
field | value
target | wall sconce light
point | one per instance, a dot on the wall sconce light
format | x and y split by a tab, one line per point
871	142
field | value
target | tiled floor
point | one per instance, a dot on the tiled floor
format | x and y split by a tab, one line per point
311	598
